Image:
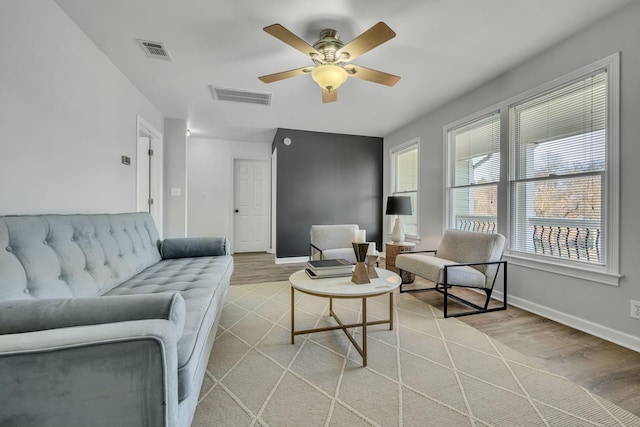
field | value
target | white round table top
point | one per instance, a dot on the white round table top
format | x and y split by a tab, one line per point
343	287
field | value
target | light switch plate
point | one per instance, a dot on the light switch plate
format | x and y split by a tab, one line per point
175	192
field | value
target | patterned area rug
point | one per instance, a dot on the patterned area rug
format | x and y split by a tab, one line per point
428	371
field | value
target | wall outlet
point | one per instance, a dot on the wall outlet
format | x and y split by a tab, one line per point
635	309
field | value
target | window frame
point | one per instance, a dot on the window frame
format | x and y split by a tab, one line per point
449	169
393	156
609	272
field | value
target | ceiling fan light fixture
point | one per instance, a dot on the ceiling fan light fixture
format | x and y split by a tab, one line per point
329	76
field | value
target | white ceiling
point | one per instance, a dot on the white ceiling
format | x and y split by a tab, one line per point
443	48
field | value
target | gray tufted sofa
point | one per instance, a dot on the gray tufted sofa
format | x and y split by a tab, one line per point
103	324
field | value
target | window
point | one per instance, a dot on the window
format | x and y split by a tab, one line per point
558	141
556	197
404	166
473	174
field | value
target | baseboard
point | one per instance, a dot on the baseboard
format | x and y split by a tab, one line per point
292	260
621	338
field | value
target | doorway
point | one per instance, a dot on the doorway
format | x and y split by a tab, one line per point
149	172
251	199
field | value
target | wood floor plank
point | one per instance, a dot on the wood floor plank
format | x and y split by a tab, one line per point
604	368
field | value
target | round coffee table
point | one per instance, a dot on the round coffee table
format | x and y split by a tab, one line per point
343	287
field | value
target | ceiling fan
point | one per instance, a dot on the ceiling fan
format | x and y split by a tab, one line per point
332	58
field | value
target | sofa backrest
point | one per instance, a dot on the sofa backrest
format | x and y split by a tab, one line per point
62	256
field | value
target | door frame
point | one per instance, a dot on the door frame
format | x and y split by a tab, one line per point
145	129
232	196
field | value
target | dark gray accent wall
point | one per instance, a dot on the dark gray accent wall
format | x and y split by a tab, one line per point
325	178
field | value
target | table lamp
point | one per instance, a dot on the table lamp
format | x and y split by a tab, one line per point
398	205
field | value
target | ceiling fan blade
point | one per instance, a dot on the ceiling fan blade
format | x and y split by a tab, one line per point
329	96
286	36
285	74
374	76
366	41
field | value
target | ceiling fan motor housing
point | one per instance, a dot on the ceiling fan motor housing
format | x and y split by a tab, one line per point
328	45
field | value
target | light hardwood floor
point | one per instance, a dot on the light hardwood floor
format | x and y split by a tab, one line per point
604	368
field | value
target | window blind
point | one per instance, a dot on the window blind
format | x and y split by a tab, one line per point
558	141
474	163
406	184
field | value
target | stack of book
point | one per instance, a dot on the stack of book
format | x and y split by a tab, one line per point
318	269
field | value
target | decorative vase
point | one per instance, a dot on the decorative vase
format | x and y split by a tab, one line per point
360	274
371	266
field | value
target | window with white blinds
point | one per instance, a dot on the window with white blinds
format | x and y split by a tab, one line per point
558	142
405	182
474	172
558	203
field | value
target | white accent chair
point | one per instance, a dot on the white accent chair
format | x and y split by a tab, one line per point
332	241
464	258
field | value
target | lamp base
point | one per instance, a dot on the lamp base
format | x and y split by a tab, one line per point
397	235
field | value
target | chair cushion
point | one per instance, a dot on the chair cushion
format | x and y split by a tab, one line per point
432	268
344	253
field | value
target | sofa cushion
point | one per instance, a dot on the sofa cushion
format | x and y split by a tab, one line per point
187	247
18	316
202	282
62	256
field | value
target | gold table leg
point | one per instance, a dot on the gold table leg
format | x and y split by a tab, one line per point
293	319
391	311
362	350
364	332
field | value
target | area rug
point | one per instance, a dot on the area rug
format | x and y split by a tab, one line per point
427	371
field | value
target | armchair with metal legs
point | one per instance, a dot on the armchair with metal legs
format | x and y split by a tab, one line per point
464	259
332	241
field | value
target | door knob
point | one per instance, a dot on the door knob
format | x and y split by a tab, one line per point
237	211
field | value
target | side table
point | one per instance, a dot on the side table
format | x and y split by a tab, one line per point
391	251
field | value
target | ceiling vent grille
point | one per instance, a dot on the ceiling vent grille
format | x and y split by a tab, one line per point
237	95
154	50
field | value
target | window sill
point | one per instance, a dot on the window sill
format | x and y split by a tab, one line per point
576	271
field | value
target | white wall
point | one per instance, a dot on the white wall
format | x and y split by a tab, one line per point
175	177
67	114
596	308
210	183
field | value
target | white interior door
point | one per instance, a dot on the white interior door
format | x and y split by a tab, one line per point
149	172
149	177
251	205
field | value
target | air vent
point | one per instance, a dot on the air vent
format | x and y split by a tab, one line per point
238	95
154	50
